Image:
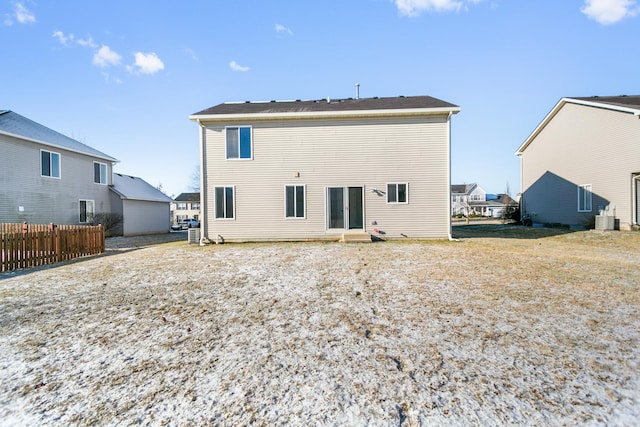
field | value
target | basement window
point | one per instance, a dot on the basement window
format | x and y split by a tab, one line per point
584	198
294	201
224	202
398	193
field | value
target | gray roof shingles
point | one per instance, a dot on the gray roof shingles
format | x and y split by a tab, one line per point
325	105
15	124
134	188
629	101
188	197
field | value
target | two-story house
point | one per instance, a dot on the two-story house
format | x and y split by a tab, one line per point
326	169
467	199
581	164
185	206
48	177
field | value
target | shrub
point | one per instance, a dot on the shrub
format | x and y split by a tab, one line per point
109	220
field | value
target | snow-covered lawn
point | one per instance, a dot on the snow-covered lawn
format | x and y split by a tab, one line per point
503	327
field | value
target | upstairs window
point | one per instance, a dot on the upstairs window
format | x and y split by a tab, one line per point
99	173
224	202
195	206
239	143
397	193
294	201
49	164
182	206
584	198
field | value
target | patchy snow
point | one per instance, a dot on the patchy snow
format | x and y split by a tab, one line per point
391	333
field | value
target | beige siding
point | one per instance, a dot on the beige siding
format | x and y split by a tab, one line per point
581	145
366	152
46	199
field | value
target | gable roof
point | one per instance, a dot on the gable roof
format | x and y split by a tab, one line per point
134	188
327	107
188	197
628	104
15	125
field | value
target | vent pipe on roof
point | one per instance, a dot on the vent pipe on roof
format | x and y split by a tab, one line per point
357	90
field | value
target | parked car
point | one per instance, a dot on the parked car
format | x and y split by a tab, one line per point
191	223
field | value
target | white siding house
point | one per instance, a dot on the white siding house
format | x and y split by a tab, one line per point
298	170
581	161
46	177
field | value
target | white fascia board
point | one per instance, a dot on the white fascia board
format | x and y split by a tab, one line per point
324	114
541	126
603	105
59	147
557	108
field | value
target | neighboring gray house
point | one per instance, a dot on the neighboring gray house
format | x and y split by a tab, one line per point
583	160
47	177
326	169
144	208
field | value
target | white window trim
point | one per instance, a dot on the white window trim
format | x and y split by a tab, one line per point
59	164
93	211
304	189
106	170
234	159
587	187
215	218
396	184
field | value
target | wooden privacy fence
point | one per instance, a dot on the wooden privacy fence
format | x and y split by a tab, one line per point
30	245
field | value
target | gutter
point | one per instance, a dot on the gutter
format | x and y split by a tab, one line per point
296	115
59	147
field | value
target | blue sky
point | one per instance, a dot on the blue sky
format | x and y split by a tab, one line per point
123	76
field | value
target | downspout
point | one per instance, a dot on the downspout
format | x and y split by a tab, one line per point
450	235
204	223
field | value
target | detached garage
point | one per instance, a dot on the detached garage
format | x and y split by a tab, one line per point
144	209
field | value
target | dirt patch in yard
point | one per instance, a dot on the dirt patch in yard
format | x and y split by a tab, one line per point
488	330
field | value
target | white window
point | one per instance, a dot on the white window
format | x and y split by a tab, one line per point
182	206
294	206
238	143
584	198
398	193
224	202
50	164
87	209
100	173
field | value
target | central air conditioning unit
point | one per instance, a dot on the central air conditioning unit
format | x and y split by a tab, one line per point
193	236
605	222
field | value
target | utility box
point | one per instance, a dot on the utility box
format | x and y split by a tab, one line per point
605	222
193	235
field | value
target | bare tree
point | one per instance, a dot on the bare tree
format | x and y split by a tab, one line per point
195	179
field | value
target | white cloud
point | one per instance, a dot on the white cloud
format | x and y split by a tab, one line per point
23	15
610	11
415	7
237	67
88	42
146	63
105	57
64	40
190	52
282	29
109	78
